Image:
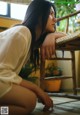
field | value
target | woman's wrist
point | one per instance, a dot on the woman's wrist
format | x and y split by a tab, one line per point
59	34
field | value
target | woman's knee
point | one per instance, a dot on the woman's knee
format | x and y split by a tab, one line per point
30	106
20	96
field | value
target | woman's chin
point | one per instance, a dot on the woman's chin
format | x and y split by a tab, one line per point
53	30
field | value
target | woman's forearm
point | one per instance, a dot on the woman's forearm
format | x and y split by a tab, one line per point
45	99
59	34
31	86
28	85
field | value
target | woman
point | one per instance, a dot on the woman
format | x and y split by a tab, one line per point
17	45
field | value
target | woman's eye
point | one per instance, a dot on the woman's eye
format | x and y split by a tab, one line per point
52	14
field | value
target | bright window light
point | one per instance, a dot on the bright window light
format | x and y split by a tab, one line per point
3	8
18	11
15	11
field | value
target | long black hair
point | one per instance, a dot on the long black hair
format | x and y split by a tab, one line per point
38	11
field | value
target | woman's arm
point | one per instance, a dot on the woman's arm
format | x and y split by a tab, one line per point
48	46
59	34
45	99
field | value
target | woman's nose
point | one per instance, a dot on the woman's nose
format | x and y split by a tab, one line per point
55	19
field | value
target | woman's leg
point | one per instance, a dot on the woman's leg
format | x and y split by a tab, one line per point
20	100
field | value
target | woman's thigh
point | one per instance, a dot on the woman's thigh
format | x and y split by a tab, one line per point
19	96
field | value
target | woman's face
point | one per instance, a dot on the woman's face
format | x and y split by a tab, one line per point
50	26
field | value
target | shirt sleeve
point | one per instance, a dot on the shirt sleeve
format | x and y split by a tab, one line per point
13	53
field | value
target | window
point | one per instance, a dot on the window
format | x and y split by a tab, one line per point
18	11
4	9
11	10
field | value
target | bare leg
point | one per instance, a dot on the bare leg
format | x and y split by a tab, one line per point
20	101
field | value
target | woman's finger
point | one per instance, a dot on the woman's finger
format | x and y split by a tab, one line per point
48	109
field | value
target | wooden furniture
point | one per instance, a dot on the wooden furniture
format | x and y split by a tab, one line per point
69	43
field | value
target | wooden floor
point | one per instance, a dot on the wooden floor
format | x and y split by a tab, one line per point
62	106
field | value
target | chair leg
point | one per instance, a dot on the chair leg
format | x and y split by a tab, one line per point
74	72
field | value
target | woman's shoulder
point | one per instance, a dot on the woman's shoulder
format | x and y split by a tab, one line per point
23	30
16	29
16	33
20	28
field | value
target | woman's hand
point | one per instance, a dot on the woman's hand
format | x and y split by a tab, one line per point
41	95
47	102
48	46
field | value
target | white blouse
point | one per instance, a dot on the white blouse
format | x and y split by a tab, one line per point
14	53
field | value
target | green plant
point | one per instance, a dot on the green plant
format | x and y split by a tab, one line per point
26	71
53	70
32	79
63	8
